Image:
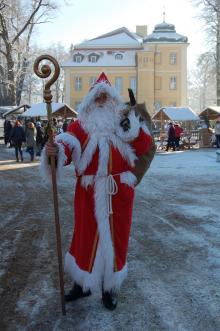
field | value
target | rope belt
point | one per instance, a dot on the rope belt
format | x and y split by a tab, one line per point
112	189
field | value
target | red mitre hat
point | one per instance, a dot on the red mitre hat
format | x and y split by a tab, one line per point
102	79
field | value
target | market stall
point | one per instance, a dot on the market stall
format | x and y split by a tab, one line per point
58	110
184	115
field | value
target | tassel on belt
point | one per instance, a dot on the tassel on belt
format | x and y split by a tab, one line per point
112	189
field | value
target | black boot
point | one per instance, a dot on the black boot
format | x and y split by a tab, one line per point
109	300
76	293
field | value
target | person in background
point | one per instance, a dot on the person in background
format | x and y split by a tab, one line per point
65	125
7	131
171	143
178	132
217	132
31	139
18	137
39	138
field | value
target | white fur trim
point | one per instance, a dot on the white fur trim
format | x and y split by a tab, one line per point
87	155
124	148
93	281
73	144
128	178
133	132
45	169
103	157
87	181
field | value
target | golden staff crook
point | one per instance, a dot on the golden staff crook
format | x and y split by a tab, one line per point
44	72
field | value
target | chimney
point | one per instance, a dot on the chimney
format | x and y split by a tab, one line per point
141	30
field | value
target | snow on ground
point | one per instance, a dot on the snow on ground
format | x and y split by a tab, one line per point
174	254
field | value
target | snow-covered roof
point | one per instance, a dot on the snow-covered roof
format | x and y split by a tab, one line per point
121	37
165	32
105	58
176	114
58	109
13	110
212	112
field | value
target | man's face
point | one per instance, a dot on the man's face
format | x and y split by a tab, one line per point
101	99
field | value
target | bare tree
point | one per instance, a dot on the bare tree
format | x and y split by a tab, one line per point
202	82
18	18
210	13
32	88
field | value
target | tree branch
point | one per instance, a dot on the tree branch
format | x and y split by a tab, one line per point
27	22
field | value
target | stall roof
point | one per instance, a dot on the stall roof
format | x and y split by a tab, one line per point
58	109
212	112
176	114
14	110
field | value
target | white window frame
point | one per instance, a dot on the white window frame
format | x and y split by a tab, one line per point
173	58
173	83
118	56
78	58
78	83
119	84
93	58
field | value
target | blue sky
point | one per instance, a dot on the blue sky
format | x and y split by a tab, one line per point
85	19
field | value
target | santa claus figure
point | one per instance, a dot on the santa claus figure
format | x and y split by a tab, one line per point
110	146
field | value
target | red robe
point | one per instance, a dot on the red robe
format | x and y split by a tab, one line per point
97	255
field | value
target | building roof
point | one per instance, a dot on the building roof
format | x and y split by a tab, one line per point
211	112
176	114
165	32
58	109
121	38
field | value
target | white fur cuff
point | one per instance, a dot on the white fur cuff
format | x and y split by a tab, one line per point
45	169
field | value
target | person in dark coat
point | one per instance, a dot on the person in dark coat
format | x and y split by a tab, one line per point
31	139
171	142
7	131
39	138
18	137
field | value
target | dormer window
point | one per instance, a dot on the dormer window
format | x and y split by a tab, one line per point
118	56
93	57
78	57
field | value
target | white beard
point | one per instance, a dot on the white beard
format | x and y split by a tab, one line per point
101	121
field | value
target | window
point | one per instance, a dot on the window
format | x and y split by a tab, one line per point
173	83
78	57
158	83
118	84
118	56
133	84
92	81
78	83
173	58
93	58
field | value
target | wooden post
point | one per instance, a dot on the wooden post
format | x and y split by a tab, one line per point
45	72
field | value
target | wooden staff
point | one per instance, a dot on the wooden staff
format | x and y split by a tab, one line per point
44	72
